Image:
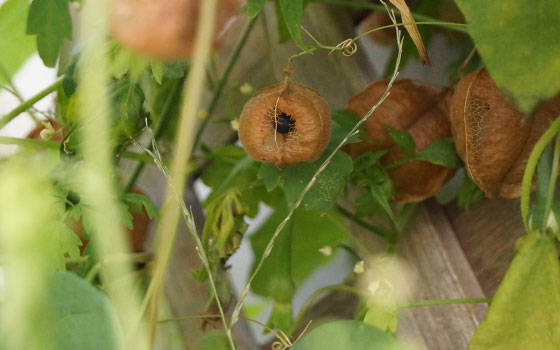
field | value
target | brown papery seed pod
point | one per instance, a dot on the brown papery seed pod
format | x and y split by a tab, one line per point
285	124
491	136
164	29
420	109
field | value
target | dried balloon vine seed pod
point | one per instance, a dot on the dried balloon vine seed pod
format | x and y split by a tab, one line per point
421	110
285	124
164	29
490	135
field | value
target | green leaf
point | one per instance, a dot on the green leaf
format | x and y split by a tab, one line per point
214	340
254	7
157	70
403	139
296	252
15	46
347	334
136	201
468	194
270	175
441	152
327	188
292	13
127	99
77	316
518	42
525	311
380	198
50	21
283	32
68	241
345	121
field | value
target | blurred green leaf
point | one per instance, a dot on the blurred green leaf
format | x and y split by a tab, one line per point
518	42
296	252
78	316
157	70
525	311
283	32
441	152
281	316
214	340
254	7
292	14
15	46
347	334
50	21
403	139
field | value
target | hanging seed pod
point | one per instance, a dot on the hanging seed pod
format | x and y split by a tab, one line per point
490	135
420	109
164	29
285	124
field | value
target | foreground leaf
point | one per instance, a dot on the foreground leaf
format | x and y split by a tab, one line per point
525	311
347	334
15	45
292	13
80	317
518	41
50	20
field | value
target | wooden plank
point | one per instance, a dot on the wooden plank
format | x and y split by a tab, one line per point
487	234
442	272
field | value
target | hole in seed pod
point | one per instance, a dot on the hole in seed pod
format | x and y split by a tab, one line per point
284	123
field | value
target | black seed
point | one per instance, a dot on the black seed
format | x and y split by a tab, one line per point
283	123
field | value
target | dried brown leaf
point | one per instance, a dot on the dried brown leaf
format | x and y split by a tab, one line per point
412	30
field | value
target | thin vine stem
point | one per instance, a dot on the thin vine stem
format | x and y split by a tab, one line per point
445	302
30	102
223	80
531	166
268	249
319	45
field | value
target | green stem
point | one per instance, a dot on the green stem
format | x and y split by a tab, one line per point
367	5
541	144
157	130
29	143
183	147
316	294
375	229
15	91
33	143
553	178
445	302
27	104
225	76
